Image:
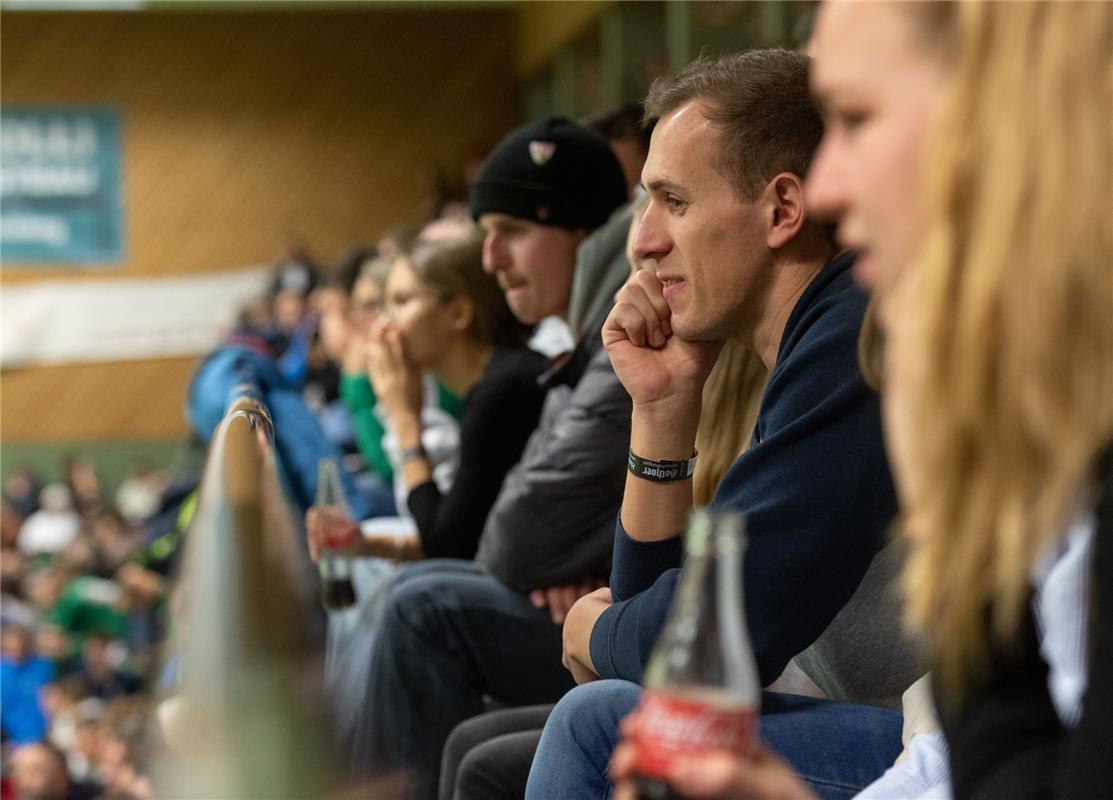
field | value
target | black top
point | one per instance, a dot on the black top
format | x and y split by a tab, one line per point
500	412
1006	740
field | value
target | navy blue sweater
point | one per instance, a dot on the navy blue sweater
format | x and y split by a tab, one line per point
814	487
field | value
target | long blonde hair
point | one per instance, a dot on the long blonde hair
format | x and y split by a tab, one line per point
1012	323
731	398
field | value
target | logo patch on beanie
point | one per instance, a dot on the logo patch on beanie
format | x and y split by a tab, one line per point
540	152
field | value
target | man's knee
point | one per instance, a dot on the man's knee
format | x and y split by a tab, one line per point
427	610
473	778
497	768
594	708
415	603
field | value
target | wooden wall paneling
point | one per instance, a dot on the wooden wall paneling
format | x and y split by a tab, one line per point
240	129
545	27
126	400
242	132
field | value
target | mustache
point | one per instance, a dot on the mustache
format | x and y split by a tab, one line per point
509	283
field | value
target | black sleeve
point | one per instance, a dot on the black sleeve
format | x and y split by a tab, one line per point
1003	734
501	412
1088	752
1006	741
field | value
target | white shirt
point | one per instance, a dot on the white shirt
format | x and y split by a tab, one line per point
48	531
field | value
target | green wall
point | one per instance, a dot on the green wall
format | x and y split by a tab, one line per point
113	460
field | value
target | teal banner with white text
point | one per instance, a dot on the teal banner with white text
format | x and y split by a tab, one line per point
60	186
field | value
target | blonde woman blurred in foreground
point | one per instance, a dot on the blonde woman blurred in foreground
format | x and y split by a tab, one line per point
967	155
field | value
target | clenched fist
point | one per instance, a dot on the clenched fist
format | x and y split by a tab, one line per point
656	367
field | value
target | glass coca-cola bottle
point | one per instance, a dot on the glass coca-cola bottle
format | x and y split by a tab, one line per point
701	684
334	522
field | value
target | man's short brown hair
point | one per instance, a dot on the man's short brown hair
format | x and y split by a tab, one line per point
762	106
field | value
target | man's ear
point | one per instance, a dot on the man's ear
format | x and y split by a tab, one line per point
785	198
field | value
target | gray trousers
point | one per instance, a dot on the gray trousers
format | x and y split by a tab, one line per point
488	757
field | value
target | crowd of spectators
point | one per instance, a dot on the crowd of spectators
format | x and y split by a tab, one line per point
81	623
657	308
86	580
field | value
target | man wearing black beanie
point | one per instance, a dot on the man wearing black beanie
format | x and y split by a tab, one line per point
552	172
538	195
454	631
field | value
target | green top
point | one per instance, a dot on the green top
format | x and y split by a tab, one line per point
359	398
87	606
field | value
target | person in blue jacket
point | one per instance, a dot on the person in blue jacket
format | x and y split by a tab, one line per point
247	365
735	255
23	674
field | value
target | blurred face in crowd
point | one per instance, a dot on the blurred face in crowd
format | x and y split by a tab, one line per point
113	539
365	304
113	761
54	700
707	246
288	308
19	485
80	555
52	642
879	89
332	304
426	322
10	523
15	643
12	563
39	772
533	263
95	653
46	586
85	738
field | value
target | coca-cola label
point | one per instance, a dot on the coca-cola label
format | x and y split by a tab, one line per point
669	726
337	533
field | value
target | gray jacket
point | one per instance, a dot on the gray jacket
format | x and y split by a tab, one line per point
867	655
553	521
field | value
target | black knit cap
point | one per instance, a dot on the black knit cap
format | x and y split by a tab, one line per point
552	172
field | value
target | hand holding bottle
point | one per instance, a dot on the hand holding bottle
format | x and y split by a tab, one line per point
331	534
702	691
712	775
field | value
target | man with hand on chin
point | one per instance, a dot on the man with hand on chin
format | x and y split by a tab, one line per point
735	256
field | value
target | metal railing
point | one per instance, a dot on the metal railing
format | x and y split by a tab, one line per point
249	718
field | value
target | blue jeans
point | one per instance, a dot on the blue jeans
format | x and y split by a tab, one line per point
448	636
838	748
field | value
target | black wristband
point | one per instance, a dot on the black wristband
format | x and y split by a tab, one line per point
662	471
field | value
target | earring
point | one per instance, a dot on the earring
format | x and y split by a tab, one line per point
461	323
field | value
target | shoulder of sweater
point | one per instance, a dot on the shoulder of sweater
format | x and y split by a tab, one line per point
819	357
836	312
